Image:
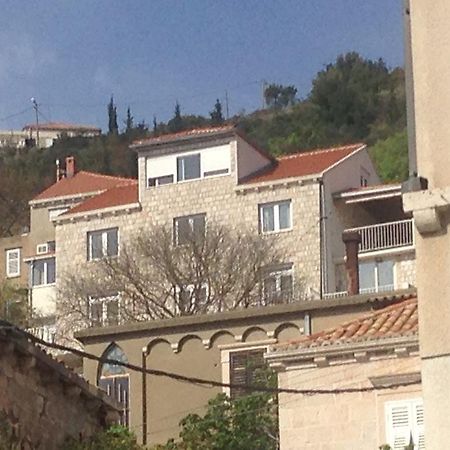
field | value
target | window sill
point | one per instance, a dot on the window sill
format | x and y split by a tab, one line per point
13	276
39	286
189	181
284	230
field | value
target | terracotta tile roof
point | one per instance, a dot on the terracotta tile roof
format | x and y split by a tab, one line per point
305	163
116	196
400	319
183	135
81	183
61	126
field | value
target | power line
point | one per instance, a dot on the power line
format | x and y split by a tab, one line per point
2	119
201	381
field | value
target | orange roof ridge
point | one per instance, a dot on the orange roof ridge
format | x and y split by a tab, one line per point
103	175
399	319
322	150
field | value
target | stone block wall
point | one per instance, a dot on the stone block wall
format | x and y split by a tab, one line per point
353	421
41	410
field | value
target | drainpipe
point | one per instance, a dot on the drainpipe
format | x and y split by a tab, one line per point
351	240
144	395
323	241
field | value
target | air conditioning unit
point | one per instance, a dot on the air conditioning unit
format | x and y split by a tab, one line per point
42	249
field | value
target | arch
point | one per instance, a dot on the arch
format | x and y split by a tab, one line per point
154	342
219	334
113	351
286	326
184	339
251	330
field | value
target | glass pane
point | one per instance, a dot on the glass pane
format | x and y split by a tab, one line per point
386	274
269	287
38	273
96	313
167	179
192	167
115	353
112	243
96	245
367	276
50	270
112	312
199	227
268	223
286	285
180	169
182	230
285	215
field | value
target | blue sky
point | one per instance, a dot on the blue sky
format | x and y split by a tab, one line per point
71	55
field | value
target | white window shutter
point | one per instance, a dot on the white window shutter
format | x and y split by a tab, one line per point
13	263
399	425
419	438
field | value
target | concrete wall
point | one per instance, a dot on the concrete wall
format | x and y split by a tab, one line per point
354	421
428	73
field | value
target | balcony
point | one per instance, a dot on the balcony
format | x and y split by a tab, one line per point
386	236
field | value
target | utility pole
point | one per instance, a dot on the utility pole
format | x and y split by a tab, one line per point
35	107
226	105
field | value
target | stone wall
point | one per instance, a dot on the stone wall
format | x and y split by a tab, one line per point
353	421
40	406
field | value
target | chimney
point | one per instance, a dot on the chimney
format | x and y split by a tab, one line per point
70	167
351	240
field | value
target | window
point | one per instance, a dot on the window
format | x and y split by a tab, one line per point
189	228
13	262
277	285
376	276
404	421
103	243
192	297
244	368
114	380
275	216
159	181
43	272
188	167
104	311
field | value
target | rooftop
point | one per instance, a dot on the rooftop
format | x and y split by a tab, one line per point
185	135
82	183
116	196
305	163
397	320
61	126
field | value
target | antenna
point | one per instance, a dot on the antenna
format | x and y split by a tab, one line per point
35	107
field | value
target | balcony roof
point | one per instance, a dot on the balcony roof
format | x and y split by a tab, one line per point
370	193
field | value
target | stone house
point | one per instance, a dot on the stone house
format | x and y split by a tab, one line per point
375	350
221	347
42	402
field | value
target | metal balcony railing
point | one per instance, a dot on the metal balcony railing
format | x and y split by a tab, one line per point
386	235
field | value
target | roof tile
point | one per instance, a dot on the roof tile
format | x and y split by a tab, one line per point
82	183
400	319
305	163
116	196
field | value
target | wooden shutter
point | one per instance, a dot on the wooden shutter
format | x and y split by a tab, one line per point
244	366
13	262
419	438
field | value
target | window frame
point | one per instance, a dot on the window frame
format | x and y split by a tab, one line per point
45	262
181	159
104	237
277	272
377	287
276	216
9	252
104	320
191	222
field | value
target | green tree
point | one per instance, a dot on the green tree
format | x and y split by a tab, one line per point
278	96
391	157
13	304
249	422
216	114
112	117
129	121
176	123
115	438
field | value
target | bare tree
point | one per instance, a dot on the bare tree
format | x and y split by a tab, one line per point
160	276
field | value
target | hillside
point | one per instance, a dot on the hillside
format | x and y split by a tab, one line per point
351	100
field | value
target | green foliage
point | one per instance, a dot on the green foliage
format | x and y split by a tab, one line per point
112	117
245	423
129	121
278	96
391	157
8	439
176	123
115	438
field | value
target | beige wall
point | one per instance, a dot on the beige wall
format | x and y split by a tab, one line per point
354	421
9	243
430	48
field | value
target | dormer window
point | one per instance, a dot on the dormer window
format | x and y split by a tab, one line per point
188	167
